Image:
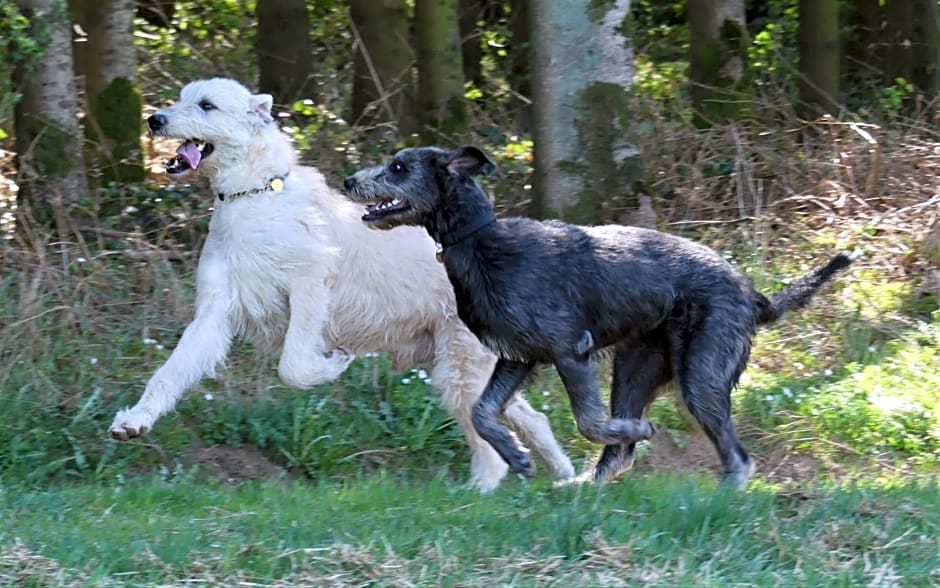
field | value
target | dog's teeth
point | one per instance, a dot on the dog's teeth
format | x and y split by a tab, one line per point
396	202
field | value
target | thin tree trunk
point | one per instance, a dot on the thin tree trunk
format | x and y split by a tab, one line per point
114	105
717	59
471	12
926	74
864	51
383	80
285	51
586	168
48	137
441	105
520	56
819	57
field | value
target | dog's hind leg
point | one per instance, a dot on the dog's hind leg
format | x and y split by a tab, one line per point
707	364
462	368
641	368
507	377
536	432
580	381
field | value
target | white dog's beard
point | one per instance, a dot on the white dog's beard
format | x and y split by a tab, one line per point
188	156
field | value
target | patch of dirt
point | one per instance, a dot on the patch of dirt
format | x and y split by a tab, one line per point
237	464
680	452
676	452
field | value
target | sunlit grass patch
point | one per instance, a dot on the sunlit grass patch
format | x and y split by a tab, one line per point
661	531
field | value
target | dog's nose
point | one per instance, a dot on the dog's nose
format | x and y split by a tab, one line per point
349	183
156	122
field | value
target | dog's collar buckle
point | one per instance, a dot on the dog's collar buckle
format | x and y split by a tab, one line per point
275	184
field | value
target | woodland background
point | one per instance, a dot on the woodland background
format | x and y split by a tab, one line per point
775	131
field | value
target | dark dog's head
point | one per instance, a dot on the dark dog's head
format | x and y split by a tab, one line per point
416	184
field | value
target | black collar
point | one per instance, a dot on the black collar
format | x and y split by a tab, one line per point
485	218
275	184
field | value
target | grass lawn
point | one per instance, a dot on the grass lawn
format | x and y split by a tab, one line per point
646	529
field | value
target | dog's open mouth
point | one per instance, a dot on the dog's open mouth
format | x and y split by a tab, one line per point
188	156
386	209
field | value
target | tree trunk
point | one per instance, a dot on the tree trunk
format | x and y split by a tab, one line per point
113	122
383	80
471	12
819	57
913	39
441	105
285	52
48	137
586	168
864	51
926	74
717	59
520	60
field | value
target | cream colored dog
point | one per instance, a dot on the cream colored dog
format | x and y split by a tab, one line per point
289	263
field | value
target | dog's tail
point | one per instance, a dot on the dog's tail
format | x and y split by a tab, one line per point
798	294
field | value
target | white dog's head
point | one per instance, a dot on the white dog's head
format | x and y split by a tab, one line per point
223	127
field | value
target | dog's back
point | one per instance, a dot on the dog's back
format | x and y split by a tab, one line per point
549	282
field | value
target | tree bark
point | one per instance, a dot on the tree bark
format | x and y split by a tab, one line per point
586	168
48	137
383	79
864	51
441	105
113	104
913	38
284	49
717	59
471	12
819	57
520	58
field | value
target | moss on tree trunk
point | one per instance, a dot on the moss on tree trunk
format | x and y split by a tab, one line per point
717	60
609	169
819	57
383	81
117	121
48	137
587	169
441	105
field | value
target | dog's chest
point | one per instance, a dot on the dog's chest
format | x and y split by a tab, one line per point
259	266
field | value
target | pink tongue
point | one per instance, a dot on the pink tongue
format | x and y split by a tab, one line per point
190	153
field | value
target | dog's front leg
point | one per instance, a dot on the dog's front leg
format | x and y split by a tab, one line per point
203	346
507	377
305	361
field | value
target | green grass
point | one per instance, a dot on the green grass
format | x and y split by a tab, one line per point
644	530
376	466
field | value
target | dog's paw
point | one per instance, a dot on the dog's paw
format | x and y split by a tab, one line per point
130	423
522	464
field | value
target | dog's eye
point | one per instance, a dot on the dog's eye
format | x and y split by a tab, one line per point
206	105
396	167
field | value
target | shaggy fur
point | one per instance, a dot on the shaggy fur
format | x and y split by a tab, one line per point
549	292
296	269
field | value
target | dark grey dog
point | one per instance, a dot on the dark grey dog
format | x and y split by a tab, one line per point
549	292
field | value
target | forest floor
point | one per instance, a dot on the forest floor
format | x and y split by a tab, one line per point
360	482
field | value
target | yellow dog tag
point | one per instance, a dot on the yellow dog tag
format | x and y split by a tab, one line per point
277	184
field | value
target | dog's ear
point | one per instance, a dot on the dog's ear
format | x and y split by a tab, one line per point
260	106
469	160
